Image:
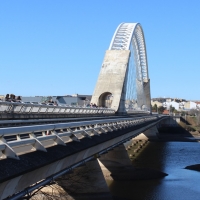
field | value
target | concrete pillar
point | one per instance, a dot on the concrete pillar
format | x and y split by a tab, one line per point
141	136
112	78
170	121
86	182
114	161
147	93
151	133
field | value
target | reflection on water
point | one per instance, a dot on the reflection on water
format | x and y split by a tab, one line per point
171	158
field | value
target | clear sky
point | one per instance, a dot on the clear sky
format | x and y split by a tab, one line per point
56	47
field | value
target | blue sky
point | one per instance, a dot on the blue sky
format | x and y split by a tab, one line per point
57	47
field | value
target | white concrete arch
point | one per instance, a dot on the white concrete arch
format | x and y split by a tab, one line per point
124	71
128	34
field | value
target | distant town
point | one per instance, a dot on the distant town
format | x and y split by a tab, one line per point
174	105
160	105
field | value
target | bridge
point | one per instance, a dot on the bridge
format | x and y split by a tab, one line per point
40	143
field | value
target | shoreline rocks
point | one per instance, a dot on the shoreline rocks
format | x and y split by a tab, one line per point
193	167
129	174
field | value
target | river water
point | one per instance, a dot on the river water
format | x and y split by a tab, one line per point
168	157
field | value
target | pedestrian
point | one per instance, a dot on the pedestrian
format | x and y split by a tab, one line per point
13	98
7	98
18	99
94	105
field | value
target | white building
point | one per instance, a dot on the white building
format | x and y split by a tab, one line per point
174	104
190	105
166	105
198	105
182	105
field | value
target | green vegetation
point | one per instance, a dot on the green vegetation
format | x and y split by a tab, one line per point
155	108
161	109
171	109
191	120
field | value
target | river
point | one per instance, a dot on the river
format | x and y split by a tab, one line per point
168	157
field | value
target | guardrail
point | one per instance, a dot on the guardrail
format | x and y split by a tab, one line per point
15	141
21	108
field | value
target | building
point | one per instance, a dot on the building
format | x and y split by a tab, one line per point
160	99
166	105
190	105
175	105
181	105
198	105
73	100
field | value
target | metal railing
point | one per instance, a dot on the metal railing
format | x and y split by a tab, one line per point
15	141
22	108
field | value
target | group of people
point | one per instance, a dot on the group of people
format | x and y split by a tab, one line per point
92	105
12	98
52	102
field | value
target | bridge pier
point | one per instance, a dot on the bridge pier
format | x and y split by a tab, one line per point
170	121
114	161
151	133
89	181
86	182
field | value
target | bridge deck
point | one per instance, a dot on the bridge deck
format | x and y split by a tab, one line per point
10	168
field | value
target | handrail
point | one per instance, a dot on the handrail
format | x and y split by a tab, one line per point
22	108
50	127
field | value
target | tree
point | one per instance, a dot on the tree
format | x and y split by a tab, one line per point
198	118
161	109
155	108
171	109
193	112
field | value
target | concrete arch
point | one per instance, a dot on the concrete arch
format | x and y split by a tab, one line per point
127	82
124	36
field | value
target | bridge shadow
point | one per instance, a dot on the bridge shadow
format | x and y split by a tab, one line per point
178	132
147	166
